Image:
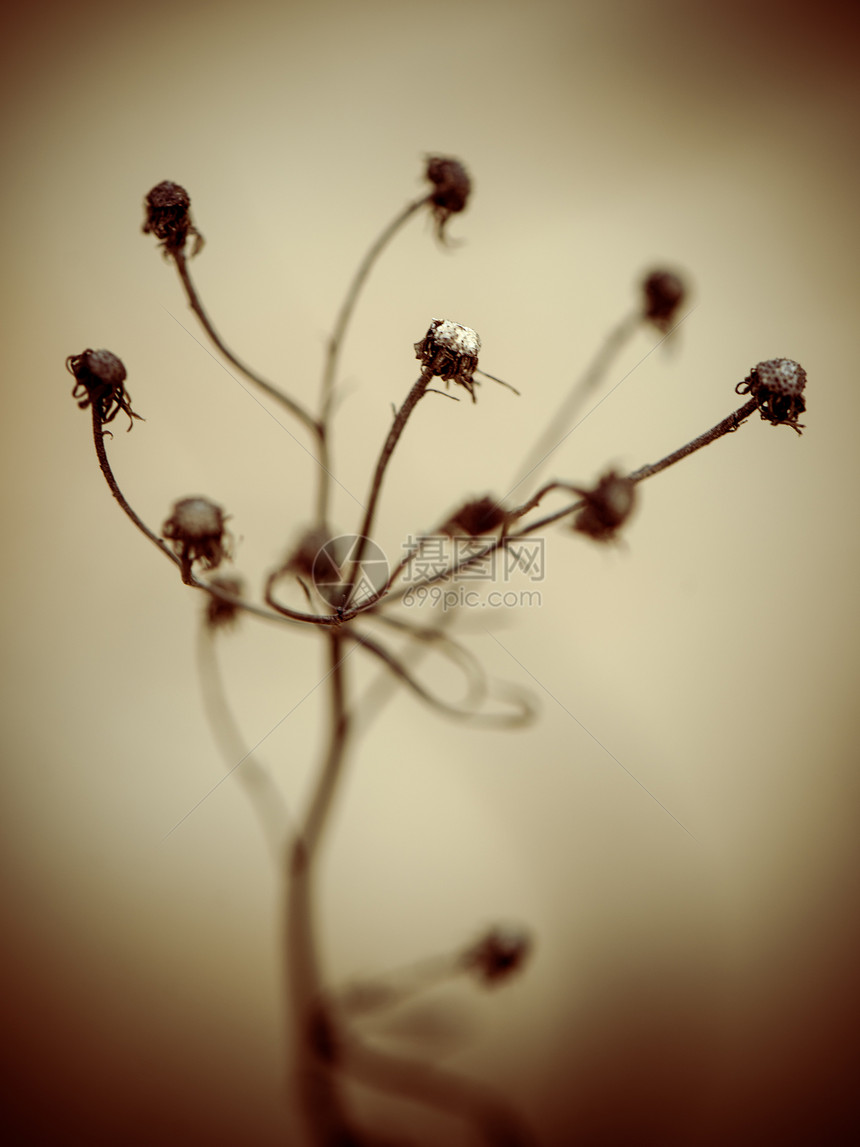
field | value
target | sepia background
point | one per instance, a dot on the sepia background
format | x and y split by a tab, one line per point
679	827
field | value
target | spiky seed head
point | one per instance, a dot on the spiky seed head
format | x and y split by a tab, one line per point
777	385
607	507
168	217
479	516
196	531
196	518
451	189
664	292
499	954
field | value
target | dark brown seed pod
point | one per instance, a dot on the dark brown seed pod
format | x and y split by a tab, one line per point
664	292
168	217
777	386
451	189
311	558
498	955
479	516
100	383
607	507
195	529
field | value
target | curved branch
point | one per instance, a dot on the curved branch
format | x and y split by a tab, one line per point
347	307
188	577
465	660
438	1088
495	720
327	619
264	795
295	408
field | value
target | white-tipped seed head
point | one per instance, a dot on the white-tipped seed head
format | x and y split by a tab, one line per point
459	339
197	518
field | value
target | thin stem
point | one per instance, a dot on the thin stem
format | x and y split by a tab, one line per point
294	407
517	700
335	343
369	997
187	576
725	427
459	655
440	1089
537	498
317	1054
557	432
378	694
101	454
401	418
263	793
327	619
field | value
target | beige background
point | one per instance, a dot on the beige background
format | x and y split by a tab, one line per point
683	990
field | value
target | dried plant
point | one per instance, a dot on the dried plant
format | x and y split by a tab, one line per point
344	590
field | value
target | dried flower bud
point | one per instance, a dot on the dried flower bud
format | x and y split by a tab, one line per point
499	954
479	516
664	292
221	614
451	187
450	351
99	382
300	559
607	507
196	529
311	559
168	217
777	386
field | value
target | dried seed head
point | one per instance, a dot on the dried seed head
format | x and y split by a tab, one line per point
196	530
168	218
221	614
99	382
450	351
499	954
607	507
311	559
664	292
777	386
451	188
476	517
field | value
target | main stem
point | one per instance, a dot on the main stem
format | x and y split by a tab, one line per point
317	1052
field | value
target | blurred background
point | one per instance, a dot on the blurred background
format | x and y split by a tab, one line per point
693	978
